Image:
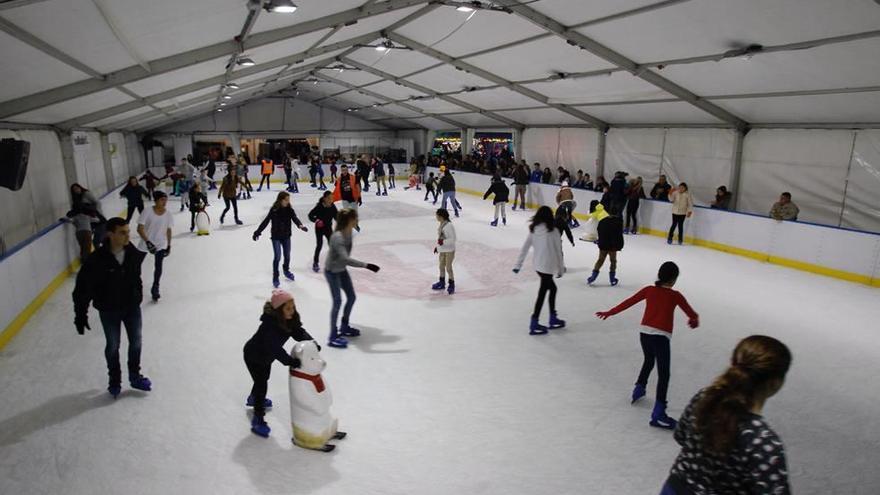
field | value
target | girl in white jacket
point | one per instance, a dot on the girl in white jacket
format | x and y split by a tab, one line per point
446	248
548	262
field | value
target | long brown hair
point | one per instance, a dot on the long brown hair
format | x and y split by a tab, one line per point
345	217
757	368
278	314
281	196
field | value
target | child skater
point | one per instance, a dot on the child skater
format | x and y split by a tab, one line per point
502	195
198	201
391	172
150	182
656	333
323	215
336	272
320	170
431	187
610	230
281	215
548	262
446	249
280	321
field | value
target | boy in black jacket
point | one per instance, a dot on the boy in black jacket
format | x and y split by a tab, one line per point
431	187
502	195
323	215
610	230
280	321
110	279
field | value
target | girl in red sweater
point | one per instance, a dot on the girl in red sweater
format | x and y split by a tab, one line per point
656	332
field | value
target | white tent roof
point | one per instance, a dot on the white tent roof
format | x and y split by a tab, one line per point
134	65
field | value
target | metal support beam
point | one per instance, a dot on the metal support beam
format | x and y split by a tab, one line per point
600	154
250	20
431	92
186	59
619	60
220	79
120	36
108	162
65	139
12	4
496	79
26	37
736	167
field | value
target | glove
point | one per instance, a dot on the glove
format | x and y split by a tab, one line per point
559	275
303	228
439	242
694	322
360	202
151	247
516	270
81	323
319	224
603	315
256	235
166	252
435	250
373	268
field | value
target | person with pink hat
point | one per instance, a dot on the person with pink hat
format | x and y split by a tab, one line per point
280	321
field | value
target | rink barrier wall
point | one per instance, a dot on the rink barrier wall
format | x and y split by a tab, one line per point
37	267
844	254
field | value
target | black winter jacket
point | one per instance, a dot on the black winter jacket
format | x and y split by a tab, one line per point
447	183
108	285
324	213
267	344
134	194
610	231
195	198
521	176
500	190
280	218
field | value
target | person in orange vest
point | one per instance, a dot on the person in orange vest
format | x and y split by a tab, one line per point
347	191
268	168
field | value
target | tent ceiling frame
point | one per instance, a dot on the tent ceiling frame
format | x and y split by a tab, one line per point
619	60
428	91
14	4
35	42
185	59
368	93
492	77
120	37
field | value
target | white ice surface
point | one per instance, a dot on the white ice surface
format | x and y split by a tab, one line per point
442	394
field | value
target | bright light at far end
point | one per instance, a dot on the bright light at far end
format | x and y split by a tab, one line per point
281	6
464	8
381	48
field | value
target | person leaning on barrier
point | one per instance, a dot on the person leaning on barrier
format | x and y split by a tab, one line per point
784	209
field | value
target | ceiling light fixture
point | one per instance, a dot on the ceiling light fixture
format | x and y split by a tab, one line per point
219	109
464	8
280	6
233	86
245	61
222	103
227	97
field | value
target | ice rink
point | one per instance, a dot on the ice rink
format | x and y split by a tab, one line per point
441	394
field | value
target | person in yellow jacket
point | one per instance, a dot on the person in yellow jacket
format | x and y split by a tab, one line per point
267	168
682	207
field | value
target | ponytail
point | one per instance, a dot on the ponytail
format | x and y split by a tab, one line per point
757	368
346	217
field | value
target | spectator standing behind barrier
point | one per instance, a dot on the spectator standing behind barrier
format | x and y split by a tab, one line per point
634	195
784	209
726	445
547	176
661	189
521	182
722	199
617	191
682	207
536	173
601	184
562	175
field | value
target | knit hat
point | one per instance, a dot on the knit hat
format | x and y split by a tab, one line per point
279	297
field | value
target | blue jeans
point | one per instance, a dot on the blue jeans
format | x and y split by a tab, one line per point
668	490
280	246
112	322
449	195
340	282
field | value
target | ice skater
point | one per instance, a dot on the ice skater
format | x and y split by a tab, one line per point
379	177
682	207
445	248
281	215
320	170
502	195
565	200
521	182
447	187
635	193
267	166
227	192
134	195
610	231
655	335
391	176
280	321
323	215
198	201
348	192
548	263
150	181
110	280
154	229
336	272
431	187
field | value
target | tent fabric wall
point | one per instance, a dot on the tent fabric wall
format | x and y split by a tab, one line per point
135	155
575	149
183	146
118	157
637	151
862	208
89	161
702	158
810	164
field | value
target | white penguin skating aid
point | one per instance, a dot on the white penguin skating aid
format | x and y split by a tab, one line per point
310	400
203	223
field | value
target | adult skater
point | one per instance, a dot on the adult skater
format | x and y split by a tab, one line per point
391	175
682	207
154	229
150	181
281	215
565	200
610	231
430	187
617	192
86	215
445	248
655	335
502	196
635	193
447	187
211	169
320	169
661	189
227	192
726	445
521	183
379	174
287	165
246	187
134	195
548	262
347	190
294	180
110	280
267	166
280	321
336	273
198	201
363	173
323	215
334	169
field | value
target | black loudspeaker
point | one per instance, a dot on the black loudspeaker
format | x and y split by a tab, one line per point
13	163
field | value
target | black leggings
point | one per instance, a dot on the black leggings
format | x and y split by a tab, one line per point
431	191
632	208
320	234
265	178
260	374
547	285
234	203
655	348
677	220
131	208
